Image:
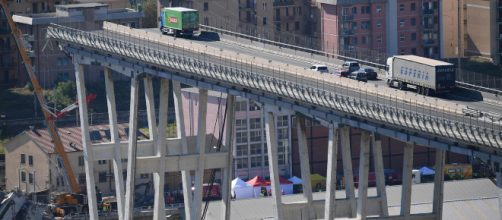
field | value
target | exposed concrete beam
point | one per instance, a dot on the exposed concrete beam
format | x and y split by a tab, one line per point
273	163
427	216
201	148
131	151
347	170
159	211
228	170
364	161
180	133
181	162
115	140
407	173
437	202
329	205
304	163
86	141
380	175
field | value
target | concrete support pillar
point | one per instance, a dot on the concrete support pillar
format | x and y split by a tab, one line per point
180	133
201	147
364	161
132	148
407	173
150	108
347	170
86	141
304	163
380	175
114	136
329	205
159	211
273	165
437	202
228	171
498	179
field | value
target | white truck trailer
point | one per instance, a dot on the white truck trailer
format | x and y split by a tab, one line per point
429	76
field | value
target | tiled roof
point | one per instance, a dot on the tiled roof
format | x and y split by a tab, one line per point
71	137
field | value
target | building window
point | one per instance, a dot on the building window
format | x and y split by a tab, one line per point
253	106
414	51
240	124
282	133
401	37
241	106
144	176
278	27
255	149
241	137
354	10
23	176
401	23
206	6
281	159
265	161
379	23
378	8
368	10
363	10
256	161
413	36
354	25
413	6
81	179
241	150
364	39
413	21
255	136
379	39
264	20
299	10
282	121
281	146
287	11
287	26
255	123
297	25
30	177
401	7
23	159
241	163
102	177
402	51
101	162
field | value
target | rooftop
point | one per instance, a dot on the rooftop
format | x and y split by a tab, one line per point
82	5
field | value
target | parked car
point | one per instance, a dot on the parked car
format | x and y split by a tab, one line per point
359	76
370	73
319	68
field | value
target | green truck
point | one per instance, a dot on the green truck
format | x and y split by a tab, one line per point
179	21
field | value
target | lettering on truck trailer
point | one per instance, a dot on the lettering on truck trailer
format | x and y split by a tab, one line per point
407	71
173	20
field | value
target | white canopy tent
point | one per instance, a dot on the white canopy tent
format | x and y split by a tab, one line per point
241	190
295	180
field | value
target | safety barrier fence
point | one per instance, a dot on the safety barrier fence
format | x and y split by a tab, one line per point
447	123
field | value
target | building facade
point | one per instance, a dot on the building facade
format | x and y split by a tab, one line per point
50	64
384	26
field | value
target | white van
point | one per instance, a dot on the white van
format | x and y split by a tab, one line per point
319	68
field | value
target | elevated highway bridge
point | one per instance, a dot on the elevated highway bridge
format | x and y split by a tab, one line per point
278	82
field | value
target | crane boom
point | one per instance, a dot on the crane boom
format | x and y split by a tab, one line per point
51	125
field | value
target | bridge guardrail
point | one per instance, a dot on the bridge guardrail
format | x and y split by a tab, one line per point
333	55
300	90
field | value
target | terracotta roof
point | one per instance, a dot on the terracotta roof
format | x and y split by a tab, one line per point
71	137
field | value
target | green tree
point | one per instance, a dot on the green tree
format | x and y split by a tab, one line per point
63	94
150	10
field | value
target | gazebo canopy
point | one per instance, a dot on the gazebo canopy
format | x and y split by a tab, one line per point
427	171
296	180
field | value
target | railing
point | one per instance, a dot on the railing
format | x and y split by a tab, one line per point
299	89
347	17
429	42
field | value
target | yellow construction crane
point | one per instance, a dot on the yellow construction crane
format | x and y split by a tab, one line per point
51	125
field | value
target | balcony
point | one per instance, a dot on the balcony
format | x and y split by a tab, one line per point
347	17
346	32
282	3
430	26
428	11
428	42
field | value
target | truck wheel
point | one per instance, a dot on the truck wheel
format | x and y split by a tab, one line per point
402	85
426	92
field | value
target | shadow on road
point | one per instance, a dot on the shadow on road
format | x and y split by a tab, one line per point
462	94
207	36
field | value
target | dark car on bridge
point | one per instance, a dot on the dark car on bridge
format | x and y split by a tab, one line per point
370	73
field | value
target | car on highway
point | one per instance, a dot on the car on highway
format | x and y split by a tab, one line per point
370	73
319	68
359	76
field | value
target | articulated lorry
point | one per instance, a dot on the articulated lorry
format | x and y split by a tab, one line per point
179	21
429	76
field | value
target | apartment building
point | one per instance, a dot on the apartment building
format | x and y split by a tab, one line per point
9	58
391	27
45	55
479	29
250	148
